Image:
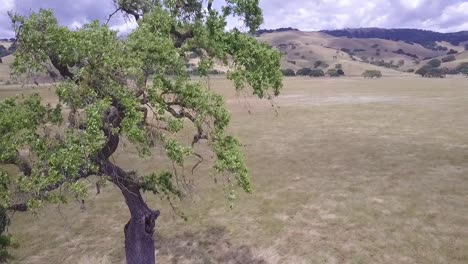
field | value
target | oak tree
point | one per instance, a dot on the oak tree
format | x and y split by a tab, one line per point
135	89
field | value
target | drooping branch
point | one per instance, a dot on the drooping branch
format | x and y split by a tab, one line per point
181	37
63	69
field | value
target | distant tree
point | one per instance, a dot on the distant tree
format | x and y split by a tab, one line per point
3	51
288	72
423	70
338	66
304	72
410	70
370	74
374	46
317	64
107	82
401	63
431	72
452	51
462	68
1	61
435	73
364	59
434	63
335	72
448	58
317	73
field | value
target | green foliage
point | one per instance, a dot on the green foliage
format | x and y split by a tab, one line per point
372	74
136	88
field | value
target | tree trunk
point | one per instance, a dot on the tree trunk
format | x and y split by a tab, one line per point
139	241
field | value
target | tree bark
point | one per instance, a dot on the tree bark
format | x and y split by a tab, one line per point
139	231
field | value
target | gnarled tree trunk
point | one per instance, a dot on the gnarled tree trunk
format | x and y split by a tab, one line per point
139	231
139	241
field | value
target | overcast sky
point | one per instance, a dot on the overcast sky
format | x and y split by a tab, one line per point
308	15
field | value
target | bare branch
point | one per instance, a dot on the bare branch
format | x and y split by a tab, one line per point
111	15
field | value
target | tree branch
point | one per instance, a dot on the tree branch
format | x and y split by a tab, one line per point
181	37
63	69
111	15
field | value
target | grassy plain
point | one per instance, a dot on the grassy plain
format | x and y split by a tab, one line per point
347	171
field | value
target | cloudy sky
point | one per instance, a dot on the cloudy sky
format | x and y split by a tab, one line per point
438	15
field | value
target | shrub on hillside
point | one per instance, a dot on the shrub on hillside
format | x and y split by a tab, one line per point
448	58
338	66
370	74
310	72
317	73
1	61
288	72
434	63
462	68
435	73
431	72
466	46
402	52
335	72
317	64
410	70
423	70
304	72
452	51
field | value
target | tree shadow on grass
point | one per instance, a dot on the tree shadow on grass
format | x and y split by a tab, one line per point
204	247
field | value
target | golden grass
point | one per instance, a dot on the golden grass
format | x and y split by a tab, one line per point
349	171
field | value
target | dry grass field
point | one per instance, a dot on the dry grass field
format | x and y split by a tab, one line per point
346	171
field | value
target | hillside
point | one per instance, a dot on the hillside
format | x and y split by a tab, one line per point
423	37
304	49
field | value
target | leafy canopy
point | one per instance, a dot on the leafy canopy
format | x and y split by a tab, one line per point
135	88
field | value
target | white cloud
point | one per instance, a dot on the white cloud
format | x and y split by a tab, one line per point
439	15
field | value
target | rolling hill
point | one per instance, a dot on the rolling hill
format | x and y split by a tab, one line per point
303	49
